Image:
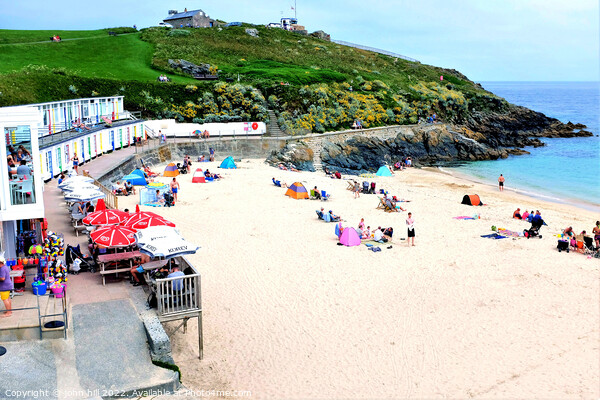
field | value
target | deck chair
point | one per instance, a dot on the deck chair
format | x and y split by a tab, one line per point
276	183
381	205
319	214
324	195
313	195
588	245
350	186
580	245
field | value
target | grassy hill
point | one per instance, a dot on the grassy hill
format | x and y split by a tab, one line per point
312	84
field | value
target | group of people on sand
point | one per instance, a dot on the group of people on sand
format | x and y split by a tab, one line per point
379	234
332	174
289	167
403	163
568	234
527	216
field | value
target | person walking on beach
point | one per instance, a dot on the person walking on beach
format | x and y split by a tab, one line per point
6	285
356	190
212	154
174	188
501	183
410	223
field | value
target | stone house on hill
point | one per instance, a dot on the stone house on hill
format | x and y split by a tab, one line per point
189	19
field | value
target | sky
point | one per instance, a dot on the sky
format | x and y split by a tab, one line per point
487	40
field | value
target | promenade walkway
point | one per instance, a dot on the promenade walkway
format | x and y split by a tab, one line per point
106	350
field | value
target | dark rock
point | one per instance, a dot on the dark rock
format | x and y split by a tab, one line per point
297	153
190	68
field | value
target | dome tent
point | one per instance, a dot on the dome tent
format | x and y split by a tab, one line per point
228	163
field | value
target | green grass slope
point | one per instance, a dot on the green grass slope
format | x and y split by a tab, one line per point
311	84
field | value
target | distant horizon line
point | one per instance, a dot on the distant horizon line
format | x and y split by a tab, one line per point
524	81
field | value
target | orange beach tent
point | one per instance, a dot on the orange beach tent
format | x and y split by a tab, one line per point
297	191
171	170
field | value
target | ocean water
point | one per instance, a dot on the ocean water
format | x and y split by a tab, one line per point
565	170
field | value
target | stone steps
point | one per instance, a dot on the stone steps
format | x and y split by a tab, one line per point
273	127
315	146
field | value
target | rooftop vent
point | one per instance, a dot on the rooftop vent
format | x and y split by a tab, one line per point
172	12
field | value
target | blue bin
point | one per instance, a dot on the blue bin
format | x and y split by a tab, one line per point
39	289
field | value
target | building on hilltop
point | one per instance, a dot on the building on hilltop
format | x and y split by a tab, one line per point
190	19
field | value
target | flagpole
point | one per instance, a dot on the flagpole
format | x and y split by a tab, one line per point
295	10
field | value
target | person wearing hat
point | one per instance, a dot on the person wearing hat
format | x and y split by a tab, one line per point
6	285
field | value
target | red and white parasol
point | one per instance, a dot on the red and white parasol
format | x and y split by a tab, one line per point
113	236
106	217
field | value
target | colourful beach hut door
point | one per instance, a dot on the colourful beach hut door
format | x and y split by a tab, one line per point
90	147
49	160
121	137
112	139
59	159
82	151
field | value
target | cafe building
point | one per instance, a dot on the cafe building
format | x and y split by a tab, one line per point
21	199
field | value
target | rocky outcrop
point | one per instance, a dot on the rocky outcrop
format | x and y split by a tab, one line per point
297	154
252	32
190	68
483	136
427	145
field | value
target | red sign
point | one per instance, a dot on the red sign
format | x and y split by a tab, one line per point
254	126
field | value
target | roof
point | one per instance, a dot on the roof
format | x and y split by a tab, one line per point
186	14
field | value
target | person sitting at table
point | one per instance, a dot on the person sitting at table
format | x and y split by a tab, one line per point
12	152
23	169
89	207
175	273
26	152
137	270
118	189
77	211
61	178
11	166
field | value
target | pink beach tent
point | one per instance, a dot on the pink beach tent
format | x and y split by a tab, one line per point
198	176
350	238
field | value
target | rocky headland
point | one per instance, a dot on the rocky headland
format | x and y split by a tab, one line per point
482	136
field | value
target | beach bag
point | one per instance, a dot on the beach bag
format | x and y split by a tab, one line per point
152	301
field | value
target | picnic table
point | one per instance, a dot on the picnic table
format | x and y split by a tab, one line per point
106	259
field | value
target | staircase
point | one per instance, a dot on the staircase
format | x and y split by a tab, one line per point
273	128
315	146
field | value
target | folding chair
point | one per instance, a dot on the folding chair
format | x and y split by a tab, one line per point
324	195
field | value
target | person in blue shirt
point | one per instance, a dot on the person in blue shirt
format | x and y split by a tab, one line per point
175	273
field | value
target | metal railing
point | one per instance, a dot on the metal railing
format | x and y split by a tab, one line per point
111	200
375	50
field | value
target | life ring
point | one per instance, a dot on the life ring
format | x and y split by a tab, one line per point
254	126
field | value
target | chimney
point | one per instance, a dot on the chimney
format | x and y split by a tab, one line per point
185	10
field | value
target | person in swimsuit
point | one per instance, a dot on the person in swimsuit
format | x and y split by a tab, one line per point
410	223
75	160
174	188
501	183
596	232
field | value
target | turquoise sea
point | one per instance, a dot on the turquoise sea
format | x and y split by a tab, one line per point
565	170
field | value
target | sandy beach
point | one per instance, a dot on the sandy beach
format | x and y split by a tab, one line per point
289	314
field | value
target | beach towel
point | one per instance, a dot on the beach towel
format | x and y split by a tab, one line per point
506	232
375	249
494	236
463	217
152	204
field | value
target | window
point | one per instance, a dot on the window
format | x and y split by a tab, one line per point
20	164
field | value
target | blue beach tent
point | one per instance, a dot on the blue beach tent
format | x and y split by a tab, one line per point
228	163
135	179
138	172
383	171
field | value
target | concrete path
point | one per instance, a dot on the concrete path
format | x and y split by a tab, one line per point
111	350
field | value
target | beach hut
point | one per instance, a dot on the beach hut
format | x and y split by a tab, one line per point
198	176
297	191
472	200
384	171
349	237
228	163
171	170
135	179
